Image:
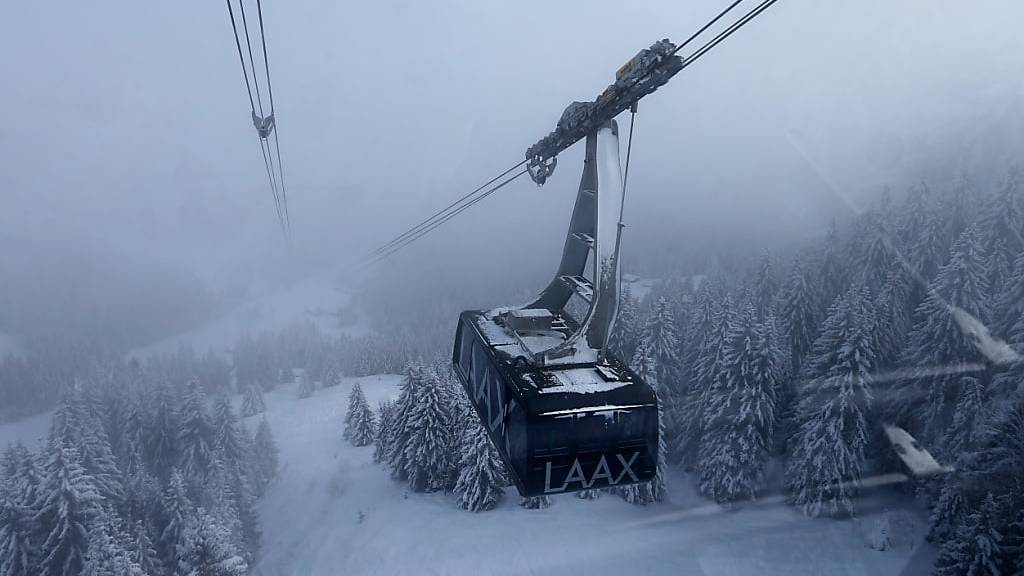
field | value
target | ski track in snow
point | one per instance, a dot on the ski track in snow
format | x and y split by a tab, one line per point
312	526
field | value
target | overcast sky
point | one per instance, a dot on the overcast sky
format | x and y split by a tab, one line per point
126	125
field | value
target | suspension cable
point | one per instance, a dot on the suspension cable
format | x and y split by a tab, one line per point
266	63
267	162
463	203
441	213
270	94
241	60
424	231
275	175
252	63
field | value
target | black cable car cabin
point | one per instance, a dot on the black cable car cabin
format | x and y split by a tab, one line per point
564	414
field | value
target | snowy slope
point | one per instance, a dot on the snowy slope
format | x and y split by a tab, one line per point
312	521
312	300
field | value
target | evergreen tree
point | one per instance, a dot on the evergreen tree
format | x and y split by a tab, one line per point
482	475
893	308
162	449
176	511
253	402
1003	230
266	456
873	261
832	274
306	386
834	398
144	552
928	250
98	460
974	549
662	340
228	441
386	410
107	554
765	288
426	452
626	332
707	369
944	337
333	376
1009	376
206	549
799	316
359	420
739	416
17	554
1009	307
399	428
132	446
535	502
68	501
646	492
196	437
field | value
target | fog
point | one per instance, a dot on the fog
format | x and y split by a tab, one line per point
135	202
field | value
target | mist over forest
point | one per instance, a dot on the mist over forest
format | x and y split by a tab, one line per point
823	275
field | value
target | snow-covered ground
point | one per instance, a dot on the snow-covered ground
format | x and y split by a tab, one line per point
314	300
334	511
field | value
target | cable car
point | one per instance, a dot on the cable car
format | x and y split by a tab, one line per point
562	411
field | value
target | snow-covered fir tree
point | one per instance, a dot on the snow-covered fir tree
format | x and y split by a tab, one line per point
956	304
927	252
626	333
175	512
332	377
974	549
17	553
162	448
765	289
893	308
482	474
206	549
385	413
429	439
535	502
228	441
799	315
1009	305
643	364
360	427
1002	230
306	385
196	437
265	454
107	554
144	552
662	340
68	502
399	428
876	253
834	398
253	402
831	278
739	417
707	368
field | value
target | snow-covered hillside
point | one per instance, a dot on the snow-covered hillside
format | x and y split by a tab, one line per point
313	300
332	510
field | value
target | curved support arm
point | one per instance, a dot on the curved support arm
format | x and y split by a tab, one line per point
594	238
